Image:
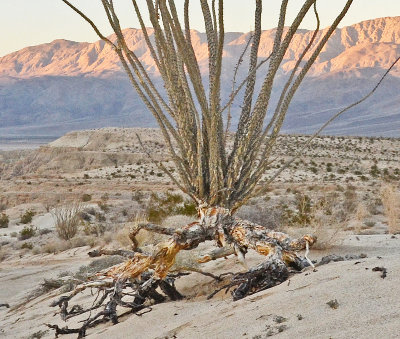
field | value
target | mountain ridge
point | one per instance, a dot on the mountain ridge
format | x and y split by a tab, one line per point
66	81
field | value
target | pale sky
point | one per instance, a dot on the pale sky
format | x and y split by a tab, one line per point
32	22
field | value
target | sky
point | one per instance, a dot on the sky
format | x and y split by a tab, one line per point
31	22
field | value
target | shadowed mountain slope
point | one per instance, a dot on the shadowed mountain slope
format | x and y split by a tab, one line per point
63	85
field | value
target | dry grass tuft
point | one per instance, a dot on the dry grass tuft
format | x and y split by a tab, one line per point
3	254
324	221
360	214
391	205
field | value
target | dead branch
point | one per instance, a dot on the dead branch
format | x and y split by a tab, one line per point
104	251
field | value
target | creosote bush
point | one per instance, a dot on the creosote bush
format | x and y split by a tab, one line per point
27	232
86	197
27	245
26	218
4	220
160	207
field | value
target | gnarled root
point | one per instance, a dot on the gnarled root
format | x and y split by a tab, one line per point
134	282
265	275
113	293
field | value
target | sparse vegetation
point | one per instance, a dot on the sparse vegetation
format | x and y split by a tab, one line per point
26	218
27	245
4	220
27	232
391	203
86	197
162	206
67	219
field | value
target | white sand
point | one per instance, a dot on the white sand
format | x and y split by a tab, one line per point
369	306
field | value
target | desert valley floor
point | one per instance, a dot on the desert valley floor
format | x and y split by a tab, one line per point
343	189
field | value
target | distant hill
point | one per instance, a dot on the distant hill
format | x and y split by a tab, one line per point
60	86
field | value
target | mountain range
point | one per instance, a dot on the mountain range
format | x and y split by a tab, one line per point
63	85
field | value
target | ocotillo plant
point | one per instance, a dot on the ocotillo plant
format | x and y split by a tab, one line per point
194	121
191	114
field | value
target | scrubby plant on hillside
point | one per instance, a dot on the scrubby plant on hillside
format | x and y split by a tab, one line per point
26	218
391	204
27	232
86	197
160	207
67	219
4	220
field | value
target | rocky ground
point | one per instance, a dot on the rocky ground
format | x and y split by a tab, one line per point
343	189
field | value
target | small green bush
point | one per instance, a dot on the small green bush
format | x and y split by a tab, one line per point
188	209
4	220
27	232
27	245
303	213
161	207
26	218
103	206
86	197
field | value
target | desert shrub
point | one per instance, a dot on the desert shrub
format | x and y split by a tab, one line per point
97	265
27	245
390	200
86	197
38	335
46	286
100	217
350	200
177	221
36	250
155	214
26	218
270	216
89	240
3	254
188	208
90	211
103	206
44	231
27	232
56	246
166	205
137	196
122	236
369	223
67	219
359	216
302	215
4	220
374	171
85	216
90	229
325	221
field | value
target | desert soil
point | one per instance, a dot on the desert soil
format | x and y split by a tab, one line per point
338	179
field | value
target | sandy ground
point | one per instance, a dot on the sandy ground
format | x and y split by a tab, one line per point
369	306
110	161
